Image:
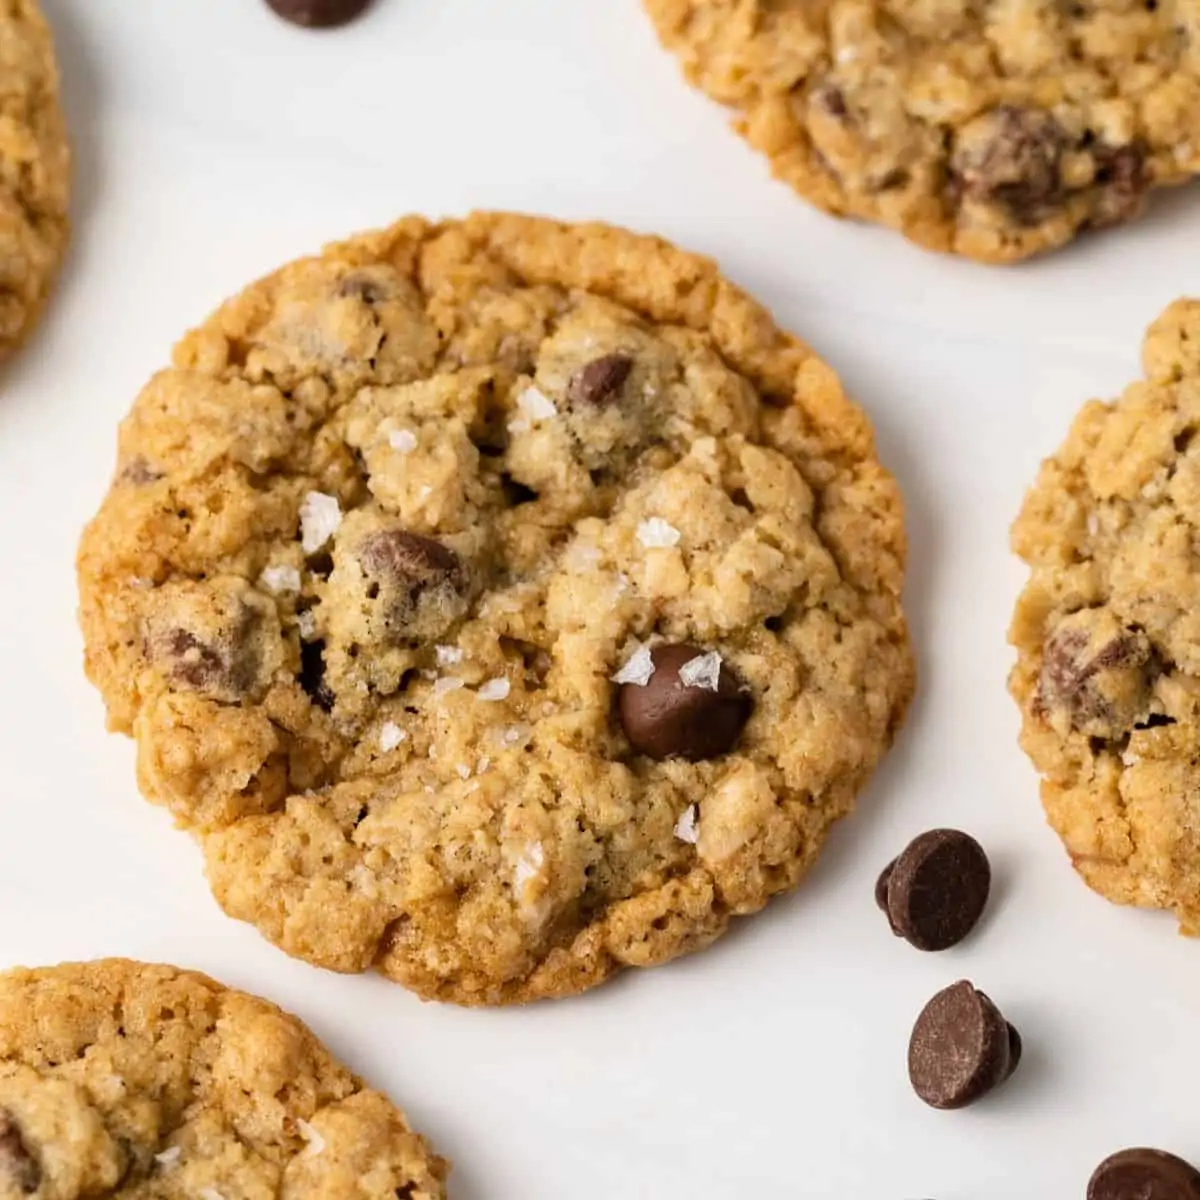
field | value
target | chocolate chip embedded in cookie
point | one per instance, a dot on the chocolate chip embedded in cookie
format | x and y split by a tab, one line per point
18	1167
504	603
988	129
687	704
124	1080
961	1048
1143	1174
1108	636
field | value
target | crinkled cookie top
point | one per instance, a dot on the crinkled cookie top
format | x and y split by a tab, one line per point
991	128
34	169
140	1082
499	602
1108	631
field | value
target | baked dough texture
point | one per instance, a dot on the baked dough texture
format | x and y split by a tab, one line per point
994	129
378	543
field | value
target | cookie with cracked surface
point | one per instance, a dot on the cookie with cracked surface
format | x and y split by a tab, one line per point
987	128
125	1080
1107	631
34	170
499	602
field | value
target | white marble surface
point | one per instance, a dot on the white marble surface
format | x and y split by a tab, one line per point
212	144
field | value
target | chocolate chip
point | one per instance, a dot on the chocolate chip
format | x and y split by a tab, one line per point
600	381
960	1048
419	583
1143	1174
319	14
881	893
936	891
1012	157
1123	182
1096	674
225	669
673	717
1015	1049
17	1165
832	99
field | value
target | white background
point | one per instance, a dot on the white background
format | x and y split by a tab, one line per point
214	142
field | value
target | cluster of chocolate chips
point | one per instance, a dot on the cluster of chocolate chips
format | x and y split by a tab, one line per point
933	895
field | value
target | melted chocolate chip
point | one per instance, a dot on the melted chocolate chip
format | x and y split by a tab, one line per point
600	381
319	14
670	718
1123	181
18	1167
411	559
960	1049
1144	1174
936	891
1012	157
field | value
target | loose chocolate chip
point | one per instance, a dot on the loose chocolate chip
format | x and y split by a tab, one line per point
1015	1049
881	886
960	1048
937	889
18	1167
319	14
600	381
1012	157
1143	1174
669	718
1096	674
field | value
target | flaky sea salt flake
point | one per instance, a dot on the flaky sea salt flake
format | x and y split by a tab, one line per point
446	685
448	656
528	864
169	1157
403	441
703	671
390	736
494	689
482	765
320	516
316	1143
210	1194
656	534
464	772
687	828
638	668
306	622
278	580
536	405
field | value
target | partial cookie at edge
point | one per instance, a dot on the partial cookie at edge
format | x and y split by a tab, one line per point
1107	631
993	130
125	1079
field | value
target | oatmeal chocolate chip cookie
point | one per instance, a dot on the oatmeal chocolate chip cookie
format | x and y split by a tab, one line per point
983	127
120	1079
1108	631
500	603
34	170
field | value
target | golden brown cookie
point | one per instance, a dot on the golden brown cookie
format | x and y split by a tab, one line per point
123	1080
1108	631
500	603
34	170
987	128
